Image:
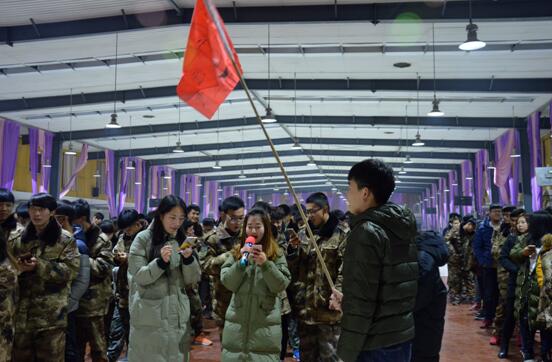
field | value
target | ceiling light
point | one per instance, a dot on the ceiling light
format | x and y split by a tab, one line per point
311	164
472	43
217	166
276	188
408	160
165	188
219	189
178	148
402	65
269	118
447	190
131	166
418	141
242	175
148	116
113	123
70	151
515	154
334	188
296	146
397	181
137	183
167	177
97	174
47	164
199	185
402	171
491	166
454	184
435	111
469	178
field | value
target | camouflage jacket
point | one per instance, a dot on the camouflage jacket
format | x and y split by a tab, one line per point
121	281
44	292
8	290
13	230
310	289
456	249
96	299
219	246
498	240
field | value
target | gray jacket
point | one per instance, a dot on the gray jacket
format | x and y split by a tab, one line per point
80	284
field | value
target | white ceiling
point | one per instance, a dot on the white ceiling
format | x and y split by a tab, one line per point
165	39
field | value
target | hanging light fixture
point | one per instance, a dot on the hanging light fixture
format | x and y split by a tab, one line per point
70	151
334	188
242	175
269	118
472	43
46	164
137	183
447	190
397	181
217	165
435	111
491	165
296	146
178	148
131	165
469	178
418	141
408	160
276	188
402	171
515	153
311	163
219	189
113	122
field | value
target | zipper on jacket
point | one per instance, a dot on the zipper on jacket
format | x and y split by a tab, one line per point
248	321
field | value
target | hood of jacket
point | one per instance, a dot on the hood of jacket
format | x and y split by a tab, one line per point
326	230
433	244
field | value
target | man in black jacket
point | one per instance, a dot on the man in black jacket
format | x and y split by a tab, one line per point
431	300
380	270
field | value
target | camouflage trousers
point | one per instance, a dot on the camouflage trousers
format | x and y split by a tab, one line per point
319	342
6	343
461	284
42	346
500	315
196	310
92	330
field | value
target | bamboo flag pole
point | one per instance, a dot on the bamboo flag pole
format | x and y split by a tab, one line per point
214	16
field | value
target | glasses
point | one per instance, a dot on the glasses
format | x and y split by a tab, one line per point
313	211
37	209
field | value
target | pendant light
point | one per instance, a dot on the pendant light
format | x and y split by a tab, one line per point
217	166
472	43
167	176
113	122
418	141
491	165
311	162
435	111
242	173
402	171
131	165
178	148
296	145
70	151
46	163
408	160
269	118
515	153
97	174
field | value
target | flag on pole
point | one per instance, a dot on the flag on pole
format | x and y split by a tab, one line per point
208	73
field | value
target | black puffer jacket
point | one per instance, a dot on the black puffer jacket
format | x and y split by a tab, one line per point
380	273
432	253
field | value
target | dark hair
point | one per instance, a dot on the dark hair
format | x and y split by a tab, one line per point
295	212
6	196
220	208
494	207
107	227
208	221
82	209
548	209
232	203
22	210
376	176
43	200
127	218
3	245
508	208
285	209
319	199
339	215
192	207
268	242
99	216
159	237
186	224
277	214
540	223
66	208
517	212
454	215
263	205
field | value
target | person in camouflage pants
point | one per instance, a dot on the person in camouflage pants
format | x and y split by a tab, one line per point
8	288
219	247
49	260
499	239
94	305
319	326
455	262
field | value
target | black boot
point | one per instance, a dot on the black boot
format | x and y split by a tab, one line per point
503	353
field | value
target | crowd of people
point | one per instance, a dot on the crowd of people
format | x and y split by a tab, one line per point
502	266
73	283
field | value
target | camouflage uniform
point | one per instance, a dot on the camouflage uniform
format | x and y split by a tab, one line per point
12	230
499	239
8	289
219	246
469	289
318	325
94	304
41	316
455	265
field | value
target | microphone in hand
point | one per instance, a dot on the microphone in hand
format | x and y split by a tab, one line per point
249	242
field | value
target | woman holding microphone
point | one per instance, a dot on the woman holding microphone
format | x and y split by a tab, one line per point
158	273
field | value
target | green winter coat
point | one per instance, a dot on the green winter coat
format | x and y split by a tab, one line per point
158	305
527	288
252	330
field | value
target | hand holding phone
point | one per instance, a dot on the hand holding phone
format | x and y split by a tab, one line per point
190	242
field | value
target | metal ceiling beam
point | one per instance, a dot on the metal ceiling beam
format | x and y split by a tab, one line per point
209	170
327	188
332	153
302	140
446	122
456	10
526	85
339	183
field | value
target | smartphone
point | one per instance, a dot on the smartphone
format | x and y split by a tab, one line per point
189	242
290	233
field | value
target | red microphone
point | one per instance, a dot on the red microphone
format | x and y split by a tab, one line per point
250	241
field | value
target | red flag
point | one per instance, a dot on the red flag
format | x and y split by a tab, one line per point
208	75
